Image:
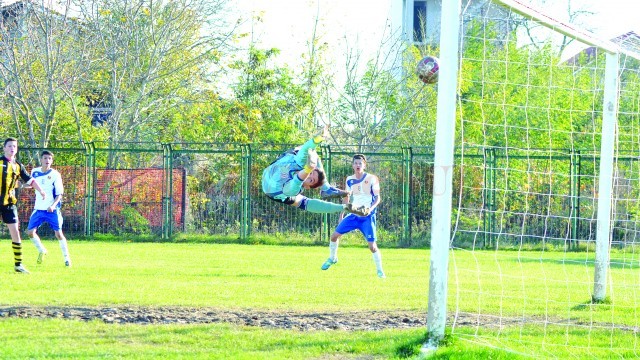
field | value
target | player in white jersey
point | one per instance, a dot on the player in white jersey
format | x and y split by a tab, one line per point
365	191
48	209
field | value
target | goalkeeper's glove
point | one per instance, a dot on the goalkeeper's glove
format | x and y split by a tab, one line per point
312	161
320	135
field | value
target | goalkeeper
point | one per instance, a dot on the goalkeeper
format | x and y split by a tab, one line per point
297	169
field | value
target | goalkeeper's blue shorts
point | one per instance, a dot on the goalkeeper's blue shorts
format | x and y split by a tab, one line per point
282	198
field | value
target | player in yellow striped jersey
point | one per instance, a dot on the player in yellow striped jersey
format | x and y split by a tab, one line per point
12	171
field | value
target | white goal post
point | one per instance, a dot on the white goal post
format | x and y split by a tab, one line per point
443	172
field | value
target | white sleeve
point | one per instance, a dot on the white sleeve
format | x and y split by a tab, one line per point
375	184
57	185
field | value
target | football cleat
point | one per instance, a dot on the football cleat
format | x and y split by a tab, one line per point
328	263
41	257
381	274
360	210
21	269
332	193
67	263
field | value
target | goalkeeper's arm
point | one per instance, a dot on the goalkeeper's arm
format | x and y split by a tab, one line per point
301	157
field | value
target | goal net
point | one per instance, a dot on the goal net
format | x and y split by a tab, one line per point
544	257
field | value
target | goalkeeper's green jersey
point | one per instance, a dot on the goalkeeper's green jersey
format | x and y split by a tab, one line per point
284	170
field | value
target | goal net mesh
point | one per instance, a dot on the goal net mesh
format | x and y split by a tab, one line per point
528	143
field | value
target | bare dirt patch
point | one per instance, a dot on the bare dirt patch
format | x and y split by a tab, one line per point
350	321
289	320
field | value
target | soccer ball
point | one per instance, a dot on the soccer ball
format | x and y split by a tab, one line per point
428	69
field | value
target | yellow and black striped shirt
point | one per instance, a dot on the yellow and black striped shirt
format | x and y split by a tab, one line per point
10	173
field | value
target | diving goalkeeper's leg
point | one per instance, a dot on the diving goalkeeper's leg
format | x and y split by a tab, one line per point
317	206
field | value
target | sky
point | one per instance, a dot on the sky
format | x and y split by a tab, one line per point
613	17
287	24
278	28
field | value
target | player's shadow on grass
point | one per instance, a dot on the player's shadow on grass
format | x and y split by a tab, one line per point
613	263
604	305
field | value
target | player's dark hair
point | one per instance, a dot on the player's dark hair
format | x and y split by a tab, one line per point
321	177
360	157
9	139
46	152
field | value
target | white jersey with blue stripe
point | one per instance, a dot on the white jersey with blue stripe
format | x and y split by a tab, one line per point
51	183
362	190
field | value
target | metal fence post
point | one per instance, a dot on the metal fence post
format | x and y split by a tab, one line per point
90	195
245	217
489	213
576	162
325	152
167	191
407	171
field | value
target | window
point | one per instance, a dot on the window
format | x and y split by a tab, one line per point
99	109
419	20
99	116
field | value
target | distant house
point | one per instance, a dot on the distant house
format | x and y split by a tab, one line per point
14	14
422	18
12	20
628	41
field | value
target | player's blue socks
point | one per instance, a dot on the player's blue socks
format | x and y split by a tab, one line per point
319	206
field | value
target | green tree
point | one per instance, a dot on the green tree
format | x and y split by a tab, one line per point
152	56
315	77
45	59
385	104
269	104
206	118
516	103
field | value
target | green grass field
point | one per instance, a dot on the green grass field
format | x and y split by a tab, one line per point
288	278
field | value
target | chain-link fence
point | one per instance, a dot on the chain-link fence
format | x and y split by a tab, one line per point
162	190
